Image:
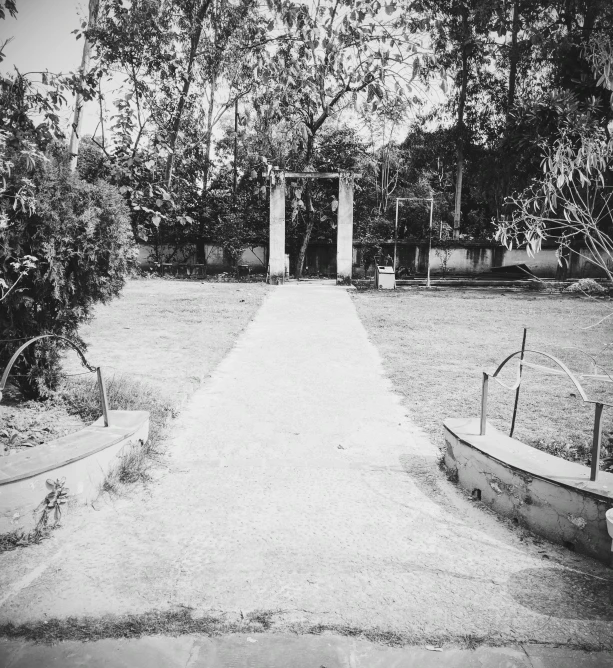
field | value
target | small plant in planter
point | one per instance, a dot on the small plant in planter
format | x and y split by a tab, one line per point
13	439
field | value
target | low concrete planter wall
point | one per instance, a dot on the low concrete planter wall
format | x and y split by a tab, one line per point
549	495
83	458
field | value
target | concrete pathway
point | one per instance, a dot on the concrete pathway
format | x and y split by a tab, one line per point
282	651
296	484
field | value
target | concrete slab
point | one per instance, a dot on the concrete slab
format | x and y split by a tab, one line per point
281	651
543	657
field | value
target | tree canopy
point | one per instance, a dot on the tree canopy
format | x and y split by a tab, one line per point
198	99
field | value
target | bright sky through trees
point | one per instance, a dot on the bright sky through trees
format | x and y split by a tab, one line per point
42	39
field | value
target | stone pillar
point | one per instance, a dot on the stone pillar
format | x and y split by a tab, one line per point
276	243
344	239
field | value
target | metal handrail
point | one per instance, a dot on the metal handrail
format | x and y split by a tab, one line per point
84	362
599	405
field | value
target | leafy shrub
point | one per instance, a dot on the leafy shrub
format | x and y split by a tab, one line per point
586	285
79	235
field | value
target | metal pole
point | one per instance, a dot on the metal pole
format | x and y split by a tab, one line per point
103	398
484	403
396	234
596	442
430	239
521	368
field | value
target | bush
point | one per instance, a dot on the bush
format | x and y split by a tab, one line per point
81	238
587	286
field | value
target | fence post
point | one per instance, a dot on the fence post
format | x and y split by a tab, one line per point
484	403
103	397
521	369
596	442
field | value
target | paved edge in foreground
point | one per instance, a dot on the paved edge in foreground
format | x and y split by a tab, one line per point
281	650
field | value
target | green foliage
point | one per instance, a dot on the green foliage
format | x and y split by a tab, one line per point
570	204
331	52
8	6
79	234
176	58
524	66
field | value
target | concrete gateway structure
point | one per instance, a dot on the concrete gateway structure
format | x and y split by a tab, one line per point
344	239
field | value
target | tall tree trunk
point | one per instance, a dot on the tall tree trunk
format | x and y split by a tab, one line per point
307	234
309	214
235	162
457	212
513	59
200	241
77	122
460	128
187	82
209	134
508	166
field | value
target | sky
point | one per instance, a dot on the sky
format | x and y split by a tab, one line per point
42	40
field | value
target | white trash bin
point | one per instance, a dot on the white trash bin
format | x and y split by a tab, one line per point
385	278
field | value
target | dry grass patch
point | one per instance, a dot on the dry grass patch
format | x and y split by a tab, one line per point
156	345
169	333
435	345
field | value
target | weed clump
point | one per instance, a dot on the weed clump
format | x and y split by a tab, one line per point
586	286
82	398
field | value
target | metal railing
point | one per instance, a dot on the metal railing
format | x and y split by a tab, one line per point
563	371
101	386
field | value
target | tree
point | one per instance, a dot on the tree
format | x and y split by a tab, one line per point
459	30
80	99
323	56
571	203
64	243
176	57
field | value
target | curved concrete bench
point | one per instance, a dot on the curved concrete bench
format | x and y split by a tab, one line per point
83	458
553	497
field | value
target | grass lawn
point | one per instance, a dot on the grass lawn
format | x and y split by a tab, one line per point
156	344
169	333
435	345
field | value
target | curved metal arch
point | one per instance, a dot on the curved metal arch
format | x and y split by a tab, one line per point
561	364
18	352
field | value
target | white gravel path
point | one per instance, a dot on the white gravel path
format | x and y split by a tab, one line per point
297	483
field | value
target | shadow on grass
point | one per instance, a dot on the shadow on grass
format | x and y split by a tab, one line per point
563	594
